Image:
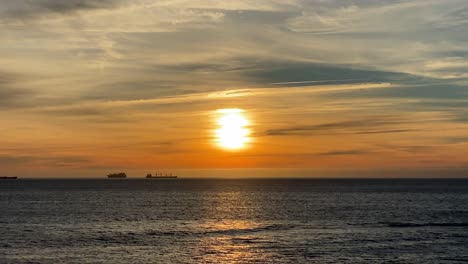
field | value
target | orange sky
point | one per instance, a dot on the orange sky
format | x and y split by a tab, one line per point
286	131
137	86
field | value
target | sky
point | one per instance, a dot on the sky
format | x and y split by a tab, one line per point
326	88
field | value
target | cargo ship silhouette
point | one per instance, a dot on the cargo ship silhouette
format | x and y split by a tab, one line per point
120	175
8	177
161	176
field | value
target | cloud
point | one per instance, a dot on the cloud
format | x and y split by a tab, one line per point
385	131
296	73
412	149
11	92
423	30
448	98
460	116
20	9
14	160
456	140
349	152
118	107
359	126
344	152
53	161
145	49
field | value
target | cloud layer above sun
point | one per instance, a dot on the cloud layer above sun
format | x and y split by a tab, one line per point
89	86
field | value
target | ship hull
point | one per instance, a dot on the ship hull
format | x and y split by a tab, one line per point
8	178
117	175
162	177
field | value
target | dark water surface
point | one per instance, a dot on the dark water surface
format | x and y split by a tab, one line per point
234	221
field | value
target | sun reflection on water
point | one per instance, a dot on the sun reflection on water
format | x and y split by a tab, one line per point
231	240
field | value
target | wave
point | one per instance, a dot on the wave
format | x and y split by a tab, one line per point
233	231
168	233
407	224
142	237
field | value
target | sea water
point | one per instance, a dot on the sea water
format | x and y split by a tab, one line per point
234	221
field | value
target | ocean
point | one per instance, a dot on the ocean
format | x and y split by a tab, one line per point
234	221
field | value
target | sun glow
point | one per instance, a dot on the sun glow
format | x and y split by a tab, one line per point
232	132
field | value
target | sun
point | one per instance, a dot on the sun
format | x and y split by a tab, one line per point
232	133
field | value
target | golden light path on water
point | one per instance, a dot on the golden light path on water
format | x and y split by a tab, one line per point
233	132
